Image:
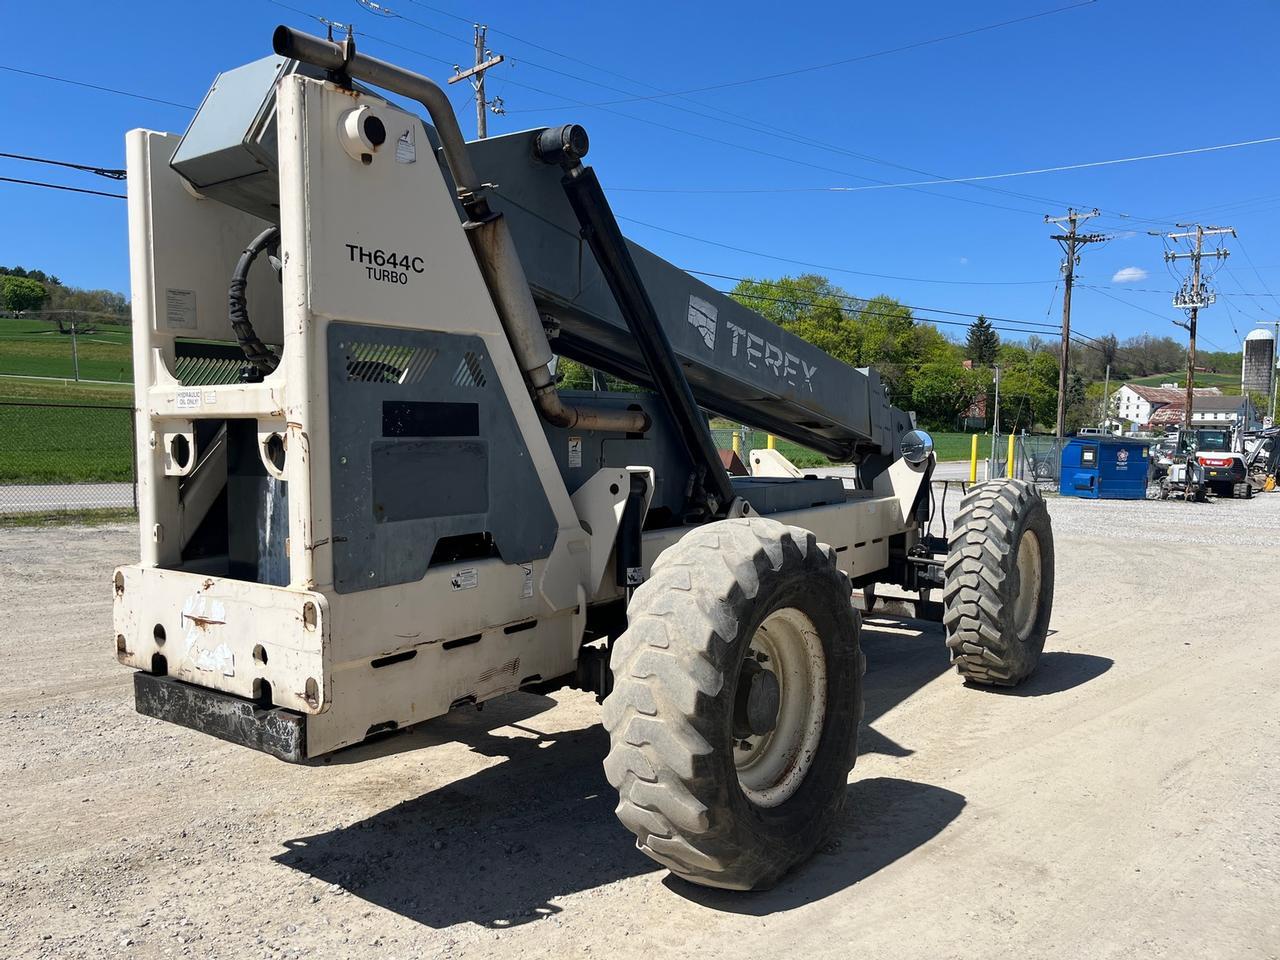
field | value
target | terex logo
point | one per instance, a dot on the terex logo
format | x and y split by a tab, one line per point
785	366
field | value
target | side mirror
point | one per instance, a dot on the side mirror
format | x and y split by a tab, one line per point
916	446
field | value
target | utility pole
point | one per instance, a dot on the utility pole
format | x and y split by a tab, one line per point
995	428
1194	294
75	352
485	59
1106	401
1275	373
1069	241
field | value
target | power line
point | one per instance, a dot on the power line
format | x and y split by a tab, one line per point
863	312
861	301
109	173
821	266
1256	272
848	60
59	186
946	180
749	126
744	122
98	87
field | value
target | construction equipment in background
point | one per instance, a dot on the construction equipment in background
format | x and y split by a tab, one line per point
397	513
1220	452
1262	457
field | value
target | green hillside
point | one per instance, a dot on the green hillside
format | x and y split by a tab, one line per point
1226	382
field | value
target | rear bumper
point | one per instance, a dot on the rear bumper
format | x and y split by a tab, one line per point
274	730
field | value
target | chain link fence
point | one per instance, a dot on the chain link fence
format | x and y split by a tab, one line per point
1035	458
66	457
749	439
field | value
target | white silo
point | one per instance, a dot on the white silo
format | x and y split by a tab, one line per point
1259	362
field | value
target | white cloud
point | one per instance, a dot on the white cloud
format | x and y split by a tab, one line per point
964	261
1129	275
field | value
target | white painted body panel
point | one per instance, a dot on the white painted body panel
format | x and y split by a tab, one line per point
508	624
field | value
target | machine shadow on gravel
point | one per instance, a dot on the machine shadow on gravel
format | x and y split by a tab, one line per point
495	848
902	657
498	847
884	819
1058	671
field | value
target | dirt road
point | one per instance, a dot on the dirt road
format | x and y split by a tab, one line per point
1125	803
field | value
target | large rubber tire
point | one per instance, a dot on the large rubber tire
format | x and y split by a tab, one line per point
993	640
670	715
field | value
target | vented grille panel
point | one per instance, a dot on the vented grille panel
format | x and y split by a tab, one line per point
199	364
470	372
388	363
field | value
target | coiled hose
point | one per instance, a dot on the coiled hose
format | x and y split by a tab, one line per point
255	351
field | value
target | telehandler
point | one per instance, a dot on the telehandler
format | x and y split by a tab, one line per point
364	500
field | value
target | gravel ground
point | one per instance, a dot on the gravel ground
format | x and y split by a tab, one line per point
1253	523
1122	804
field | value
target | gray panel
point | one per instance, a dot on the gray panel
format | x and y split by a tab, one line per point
398	469
738	363
395	497
229	150
773	495
580	453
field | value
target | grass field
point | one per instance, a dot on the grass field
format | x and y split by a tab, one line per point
1226	382
36	349
63	443
948	446
56	391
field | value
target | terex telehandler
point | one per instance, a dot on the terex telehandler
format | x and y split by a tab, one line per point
364	501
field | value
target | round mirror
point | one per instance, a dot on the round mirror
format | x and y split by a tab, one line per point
916	446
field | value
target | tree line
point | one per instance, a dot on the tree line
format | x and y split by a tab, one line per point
944	379
941	378
35	293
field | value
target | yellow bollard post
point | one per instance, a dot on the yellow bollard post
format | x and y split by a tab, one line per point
772	442
737	443
1009	469
973	460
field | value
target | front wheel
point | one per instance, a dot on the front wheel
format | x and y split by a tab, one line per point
737	689
999	582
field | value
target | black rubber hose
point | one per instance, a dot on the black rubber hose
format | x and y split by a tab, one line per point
255	351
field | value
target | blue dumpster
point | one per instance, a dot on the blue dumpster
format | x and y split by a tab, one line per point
1104	468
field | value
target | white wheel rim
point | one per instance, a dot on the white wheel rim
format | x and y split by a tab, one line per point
1027	605
772	766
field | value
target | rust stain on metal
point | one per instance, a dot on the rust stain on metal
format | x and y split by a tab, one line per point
202	623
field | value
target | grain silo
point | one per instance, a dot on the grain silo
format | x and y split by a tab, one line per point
1259	362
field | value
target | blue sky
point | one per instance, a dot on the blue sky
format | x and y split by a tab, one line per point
1105	80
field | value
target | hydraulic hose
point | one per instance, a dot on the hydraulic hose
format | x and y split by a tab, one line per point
255	351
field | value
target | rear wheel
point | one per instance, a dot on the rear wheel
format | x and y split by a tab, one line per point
736	696
999	582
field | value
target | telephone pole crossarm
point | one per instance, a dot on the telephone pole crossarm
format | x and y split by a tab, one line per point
1069	241
485	60
1194	295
